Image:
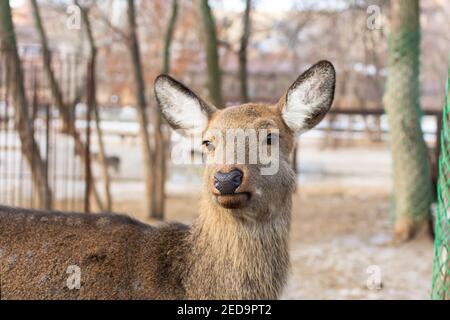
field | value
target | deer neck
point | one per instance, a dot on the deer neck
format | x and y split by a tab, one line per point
237	259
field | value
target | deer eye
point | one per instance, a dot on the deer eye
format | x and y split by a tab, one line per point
208	144
271	139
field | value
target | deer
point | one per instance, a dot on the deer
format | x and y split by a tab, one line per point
237	247
112	161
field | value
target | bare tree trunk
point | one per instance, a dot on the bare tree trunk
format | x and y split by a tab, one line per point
212	54
30	148
371	57
243	73
378	83
161	140
63	109
92	105
412	178
169	35
148	158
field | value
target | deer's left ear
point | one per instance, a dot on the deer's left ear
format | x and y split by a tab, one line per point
309	98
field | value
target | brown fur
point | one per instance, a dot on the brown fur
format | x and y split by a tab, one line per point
119	257
238	253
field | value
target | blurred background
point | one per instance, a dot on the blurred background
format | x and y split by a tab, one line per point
80	129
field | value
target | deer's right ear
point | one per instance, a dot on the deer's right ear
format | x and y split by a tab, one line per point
182	108
309	98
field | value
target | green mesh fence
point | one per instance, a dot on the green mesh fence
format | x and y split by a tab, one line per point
441	267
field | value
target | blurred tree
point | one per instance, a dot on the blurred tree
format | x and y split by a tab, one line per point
374	82
161	151
140	90
212	54
412	180
63	108
30	149
243	52
92	104
169	36
298	18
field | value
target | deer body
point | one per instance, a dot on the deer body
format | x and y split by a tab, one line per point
236	249
120	258
37	249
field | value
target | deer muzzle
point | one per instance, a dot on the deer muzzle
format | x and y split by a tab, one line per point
227	187
227	183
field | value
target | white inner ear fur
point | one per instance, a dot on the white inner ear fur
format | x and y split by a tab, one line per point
182	110
303	100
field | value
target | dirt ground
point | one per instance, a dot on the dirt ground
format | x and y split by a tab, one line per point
339	237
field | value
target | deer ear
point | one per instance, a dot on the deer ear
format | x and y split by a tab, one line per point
309	98
182	108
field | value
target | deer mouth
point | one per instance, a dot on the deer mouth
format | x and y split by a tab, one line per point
234	200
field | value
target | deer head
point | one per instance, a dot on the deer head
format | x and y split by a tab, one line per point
246	185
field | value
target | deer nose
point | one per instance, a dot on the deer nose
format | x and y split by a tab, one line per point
228	182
